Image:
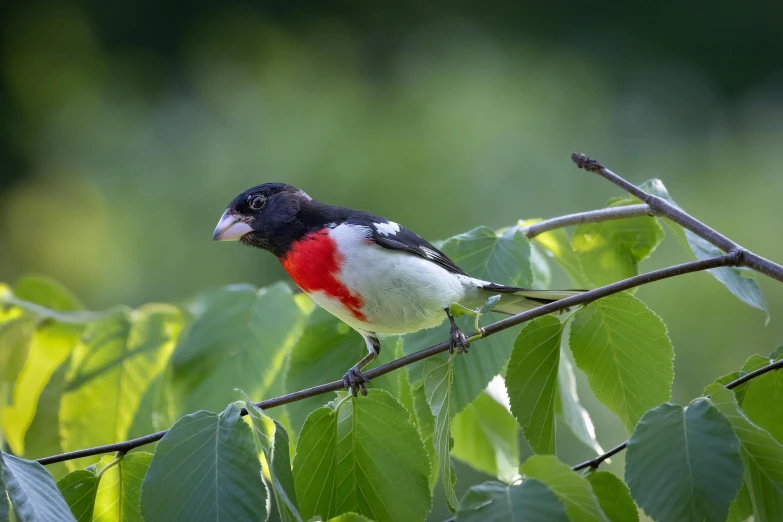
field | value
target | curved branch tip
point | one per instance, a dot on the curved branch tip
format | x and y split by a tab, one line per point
583	161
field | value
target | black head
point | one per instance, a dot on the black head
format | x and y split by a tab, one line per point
267	216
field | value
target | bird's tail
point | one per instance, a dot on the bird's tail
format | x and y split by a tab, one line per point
517	300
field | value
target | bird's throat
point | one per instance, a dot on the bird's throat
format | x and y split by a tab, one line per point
314	263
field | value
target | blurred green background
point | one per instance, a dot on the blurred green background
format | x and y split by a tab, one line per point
127	128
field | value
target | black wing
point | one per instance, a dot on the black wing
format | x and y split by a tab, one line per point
394	236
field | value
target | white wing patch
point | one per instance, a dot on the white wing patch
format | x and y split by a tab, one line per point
350	237
430	253
387	229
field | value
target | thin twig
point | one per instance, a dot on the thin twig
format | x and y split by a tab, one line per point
596	461
579	299
755	373
592	216
663	208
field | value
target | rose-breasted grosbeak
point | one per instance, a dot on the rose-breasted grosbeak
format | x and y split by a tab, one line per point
373	274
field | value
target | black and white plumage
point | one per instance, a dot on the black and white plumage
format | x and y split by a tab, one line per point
394	236
374	274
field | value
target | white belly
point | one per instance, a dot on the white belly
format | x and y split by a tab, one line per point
401	293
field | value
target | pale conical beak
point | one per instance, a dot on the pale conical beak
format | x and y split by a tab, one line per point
230	228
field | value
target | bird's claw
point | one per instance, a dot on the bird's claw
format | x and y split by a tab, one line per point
458	340
355	381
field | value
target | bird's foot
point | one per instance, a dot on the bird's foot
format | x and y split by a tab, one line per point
458	341
355	381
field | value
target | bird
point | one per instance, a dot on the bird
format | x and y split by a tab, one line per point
373	274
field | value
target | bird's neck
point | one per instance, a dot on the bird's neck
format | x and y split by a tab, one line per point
313	216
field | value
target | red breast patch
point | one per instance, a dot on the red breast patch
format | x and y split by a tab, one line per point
314	262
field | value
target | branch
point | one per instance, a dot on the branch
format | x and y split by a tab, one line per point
579	299
592	216
661	207
595	462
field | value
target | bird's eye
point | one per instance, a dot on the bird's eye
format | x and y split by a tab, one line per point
257	202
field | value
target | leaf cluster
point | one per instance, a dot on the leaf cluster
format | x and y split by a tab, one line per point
71	379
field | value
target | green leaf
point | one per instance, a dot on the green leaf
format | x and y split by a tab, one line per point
46	299
741	508
761	400
78	488
612	250
624	350
112	367
530	501
777	353
41	440
656	188
151	413
364	456
438	376
761	454
16	335
205	468
32	491
683	464
324	352
46	292
272	439
503	258
539	263
557	244
531	381
5	504
50	346
573	490
405	395
240	338
571	410
31	352
738	280
119	491
485	437
425	422
614	497
490	304
753	363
